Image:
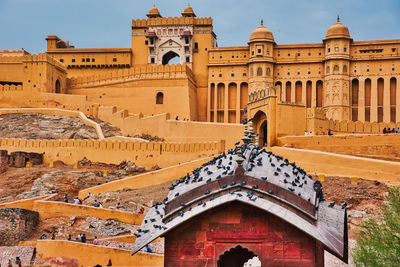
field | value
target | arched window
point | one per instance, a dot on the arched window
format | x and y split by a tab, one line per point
328	70
160	98
345	69
268	72
259	71
336	69
58	87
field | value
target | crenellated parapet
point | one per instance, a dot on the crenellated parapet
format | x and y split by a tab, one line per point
262	94
10	88
178	71
143	23
11	59
43	57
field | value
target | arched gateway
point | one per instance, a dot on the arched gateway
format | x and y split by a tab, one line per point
244	203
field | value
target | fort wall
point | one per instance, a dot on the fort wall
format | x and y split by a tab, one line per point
90	255
147	179
331	164
51	209
145	154
172	130
385	146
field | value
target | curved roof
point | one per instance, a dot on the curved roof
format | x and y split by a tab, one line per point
154	12
261	34
263	180
188	12
338	30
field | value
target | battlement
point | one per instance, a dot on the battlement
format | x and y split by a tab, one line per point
43	57
11	59
261	94
134	73
142	23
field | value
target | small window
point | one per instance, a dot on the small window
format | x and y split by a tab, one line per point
220	56
233	56
288	54
152	60
309	72
309	54
88	60
220	75
288	73
73	60
115	59
61	60
232	74
298	73
319	53
146	42
392	69
345	49
205	49
93	60
259	71
252	53
393	49
336	49
160	98
259	51
380	69
244	74
355	70
196	45
298	54
245	56
367	70
279	55
187	59
83	60
329	50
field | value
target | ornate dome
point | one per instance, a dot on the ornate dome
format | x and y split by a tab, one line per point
154	13
261	34
338	30
188	12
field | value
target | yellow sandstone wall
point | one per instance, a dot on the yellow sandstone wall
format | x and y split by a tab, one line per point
317	162
165	126
11	69
90	255
384	145
50	209
146	154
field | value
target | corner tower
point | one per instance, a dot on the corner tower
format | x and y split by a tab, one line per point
337	59
261	62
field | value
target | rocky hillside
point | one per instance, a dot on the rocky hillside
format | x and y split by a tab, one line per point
39	126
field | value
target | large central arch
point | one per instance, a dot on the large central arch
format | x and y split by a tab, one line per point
235	257
168	56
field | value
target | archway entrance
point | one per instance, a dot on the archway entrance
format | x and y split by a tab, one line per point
263	134
169	57
235	257
58	87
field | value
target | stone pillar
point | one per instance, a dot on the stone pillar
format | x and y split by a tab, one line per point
386	99
215	102
313	94
293	92
238	93
398	99
226	103
284	91
374	100
361	100
209	103
304	92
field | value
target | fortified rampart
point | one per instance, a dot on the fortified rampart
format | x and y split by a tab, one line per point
90	255
145	154
139	23
172	130
135	73
372	145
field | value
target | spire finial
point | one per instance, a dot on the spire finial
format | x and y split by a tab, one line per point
338	18
262	22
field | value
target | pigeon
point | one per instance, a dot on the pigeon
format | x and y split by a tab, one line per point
208	181
255	187
233	183
237	143
239	195
244	183
181	213
182	204
224	186
209	172
291	189
200	202
269	191
344	205
212	197
204	204
207	192
264	178
331	205
285	181
152	220
177	194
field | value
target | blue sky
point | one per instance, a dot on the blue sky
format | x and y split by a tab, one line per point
106	23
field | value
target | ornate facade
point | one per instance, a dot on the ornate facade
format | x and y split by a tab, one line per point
342	78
